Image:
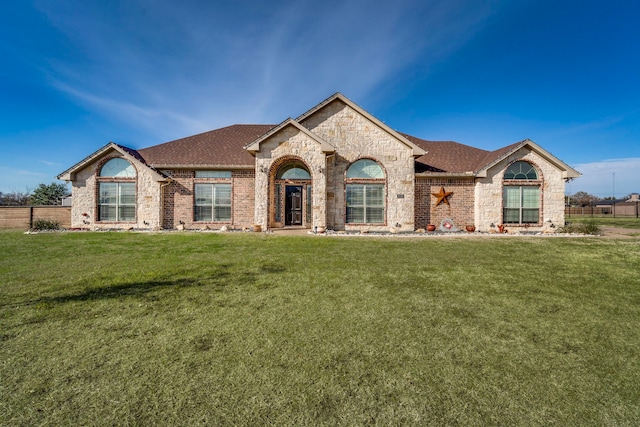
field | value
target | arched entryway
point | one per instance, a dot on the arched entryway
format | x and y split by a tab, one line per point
291	194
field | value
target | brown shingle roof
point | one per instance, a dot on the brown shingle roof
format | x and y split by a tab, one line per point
493	156
225	147
447	156
220	147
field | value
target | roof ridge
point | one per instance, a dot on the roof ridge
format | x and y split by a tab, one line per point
195	135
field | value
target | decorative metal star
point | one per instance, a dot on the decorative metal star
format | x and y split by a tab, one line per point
443	196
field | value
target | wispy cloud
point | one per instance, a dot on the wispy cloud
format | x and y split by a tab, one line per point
138	114
21	172
21	180
48	163
191	67
597	125
604	177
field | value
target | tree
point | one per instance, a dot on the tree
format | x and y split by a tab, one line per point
48	194
582	198
14	199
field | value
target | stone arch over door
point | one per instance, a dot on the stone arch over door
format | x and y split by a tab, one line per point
290	193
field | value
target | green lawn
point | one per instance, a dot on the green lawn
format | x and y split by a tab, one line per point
255	329
623	222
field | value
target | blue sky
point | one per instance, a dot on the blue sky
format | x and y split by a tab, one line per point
78	74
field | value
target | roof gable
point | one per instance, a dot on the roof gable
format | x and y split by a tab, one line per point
417	151
254	146
497	156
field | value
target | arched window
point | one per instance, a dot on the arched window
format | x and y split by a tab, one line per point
521	194
521	170
293	171
365	193
365	169
118	168
117	191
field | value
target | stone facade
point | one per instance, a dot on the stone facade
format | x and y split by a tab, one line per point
291	144
356	137
488	193
352	137
84	211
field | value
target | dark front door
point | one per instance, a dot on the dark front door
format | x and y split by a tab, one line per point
293	205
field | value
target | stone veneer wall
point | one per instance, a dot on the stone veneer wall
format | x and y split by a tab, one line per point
488	193
85	198
179	199
355	137
290	143
461	202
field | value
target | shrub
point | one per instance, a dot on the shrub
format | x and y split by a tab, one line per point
587	227
591	226
45	224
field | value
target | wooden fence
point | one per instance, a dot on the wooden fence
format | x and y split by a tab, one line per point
22	217
621	210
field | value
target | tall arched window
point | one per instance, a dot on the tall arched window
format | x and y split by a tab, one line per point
521	194
117	191
365	187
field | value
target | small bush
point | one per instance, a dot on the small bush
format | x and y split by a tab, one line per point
591	226
586	227
45	224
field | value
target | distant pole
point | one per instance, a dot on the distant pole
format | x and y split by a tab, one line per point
613	201
569	199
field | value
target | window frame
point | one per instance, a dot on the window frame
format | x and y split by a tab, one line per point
213	202
119	205
123	201
371	212
522	209
527	208
220	174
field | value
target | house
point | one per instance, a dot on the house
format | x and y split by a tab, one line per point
629	206
336	166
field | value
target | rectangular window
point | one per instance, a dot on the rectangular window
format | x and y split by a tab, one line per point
521	204
213	174
365	203
278	203
212	202
117	201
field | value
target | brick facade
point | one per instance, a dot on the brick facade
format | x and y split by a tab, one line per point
179	200
460	209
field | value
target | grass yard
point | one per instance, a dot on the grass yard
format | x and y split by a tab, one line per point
609	221
255	329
